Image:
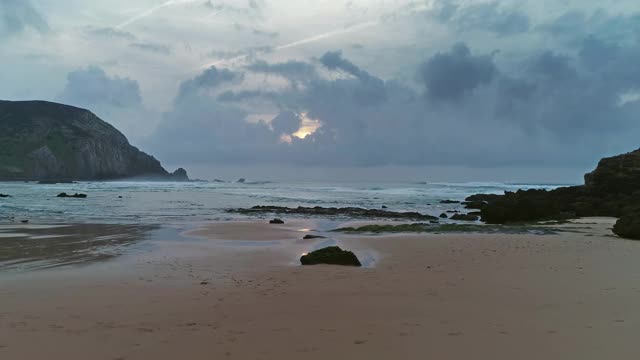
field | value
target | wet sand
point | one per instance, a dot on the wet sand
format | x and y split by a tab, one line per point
572	295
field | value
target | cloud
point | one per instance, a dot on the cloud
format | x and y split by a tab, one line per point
295	70
553	66
450	76
152	48
92	87
489	16
17	16
269	34
108	32
287	122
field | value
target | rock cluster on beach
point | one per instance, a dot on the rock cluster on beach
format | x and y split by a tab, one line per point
332	211
332	255
612	189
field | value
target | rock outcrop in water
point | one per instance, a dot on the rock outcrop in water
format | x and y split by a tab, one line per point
612	189
48	141
353	212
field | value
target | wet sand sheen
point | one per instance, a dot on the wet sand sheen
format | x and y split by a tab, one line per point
454	296
28	247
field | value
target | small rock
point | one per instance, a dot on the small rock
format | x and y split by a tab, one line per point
384	206
444	216
311	237
24	221
449	202
4	196
242	180
276	221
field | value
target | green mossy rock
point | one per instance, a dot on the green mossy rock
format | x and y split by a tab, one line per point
332	255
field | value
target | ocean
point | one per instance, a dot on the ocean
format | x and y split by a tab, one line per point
151	203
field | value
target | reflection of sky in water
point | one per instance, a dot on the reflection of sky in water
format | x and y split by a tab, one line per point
46	247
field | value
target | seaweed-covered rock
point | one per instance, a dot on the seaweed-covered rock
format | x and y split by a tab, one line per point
311	237
332	255
76	195
353	212
465	217
276	221
628	226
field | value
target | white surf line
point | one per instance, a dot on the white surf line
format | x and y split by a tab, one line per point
305	41
154	9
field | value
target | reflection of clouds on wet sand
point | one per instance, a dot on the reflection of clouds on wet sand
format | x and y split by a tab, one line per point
44	246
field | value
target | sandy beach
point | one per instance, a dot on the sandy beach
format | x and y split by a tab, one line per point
235	291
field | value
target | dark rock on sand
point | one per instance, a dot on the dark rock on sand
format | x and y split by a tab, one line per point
311	237
465	217
628	226
352	212
332	255
444	216
76	195
276	221
449	202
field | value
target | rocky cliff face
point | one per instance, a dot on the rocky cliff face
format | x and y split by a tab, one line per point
43	140
617	174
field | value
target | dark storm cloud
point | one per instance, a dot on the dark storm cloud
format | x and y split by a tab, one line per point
236	96
491	17
93	88
451	75
553	66
152	48
202	129
596	53
539	106
17	16
210	79
287	122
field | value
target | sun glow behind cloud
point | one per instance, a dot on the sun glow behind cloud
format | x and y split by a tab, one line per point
307	127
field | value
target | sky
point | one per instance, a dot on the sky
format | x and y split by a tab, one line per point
443	90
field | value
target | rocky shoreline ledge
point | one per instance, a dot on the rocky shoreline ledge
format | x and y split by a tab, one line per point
611	190
353	212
